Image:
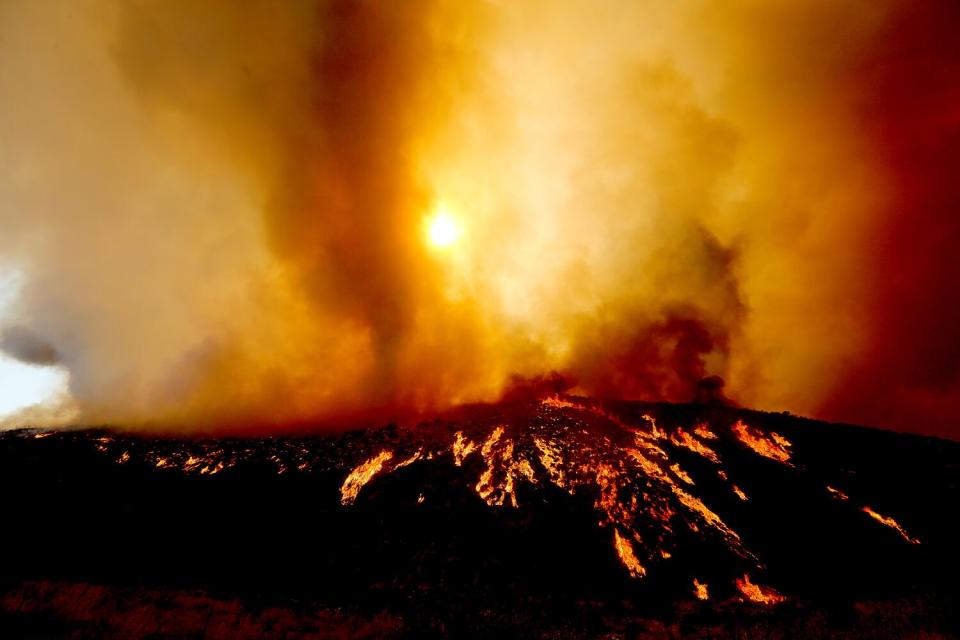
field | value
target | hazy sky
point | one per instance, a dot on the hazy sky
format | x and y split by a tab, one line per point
217	205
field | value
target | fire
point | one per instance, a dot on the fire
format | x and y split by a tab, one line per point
503	470
703	431
627	556
361	475
410	460
638	490
557	402
683	439
211	470
552	461
689	501
890	522
485	486
654	431
700	590
839	495
773	446
758	593
462	448
680	473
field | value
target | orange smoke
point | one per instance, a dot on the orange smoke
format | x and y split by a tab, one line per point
307	212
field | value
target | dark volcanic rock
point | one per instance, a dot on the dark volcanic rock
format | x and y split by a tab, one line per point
564	518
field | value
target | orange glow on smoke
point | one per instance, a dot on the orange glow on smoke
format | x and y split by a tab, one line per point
363	212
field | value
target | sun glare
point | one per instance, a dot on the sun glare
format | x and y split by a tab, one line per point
443	230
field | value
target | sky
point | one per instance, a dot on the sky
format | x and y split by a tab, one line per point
272	215
25	386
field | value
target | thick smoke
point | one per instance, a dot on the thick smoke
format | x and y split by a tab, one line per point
220	207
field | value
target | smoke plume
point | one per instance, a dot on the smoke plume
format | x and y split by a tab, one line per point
222	210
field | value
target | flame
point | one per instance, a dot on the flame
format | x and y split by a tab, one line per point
701	430
410	460
890	522
700	590
557	402
211	470
757	593
691	502
627	556
740	494
462	448
773	446
485	486
654	431
683	439
503	470
552	461
680	473
361	475
839	495
635	485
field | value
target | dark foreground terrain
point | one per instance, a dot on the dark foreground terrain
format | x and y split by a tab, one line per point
566	518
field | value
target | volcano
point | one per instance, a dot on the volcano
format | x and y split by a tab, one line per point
563	517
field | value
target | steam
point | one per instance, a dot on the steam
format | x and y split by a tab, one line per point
219	207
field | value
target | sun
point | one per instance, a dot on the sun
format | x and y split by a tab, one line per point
443	229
